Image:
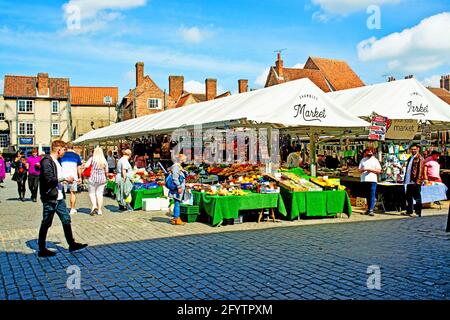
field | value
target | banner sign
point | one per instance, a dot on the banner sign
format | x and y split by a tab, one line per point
402	130
25	140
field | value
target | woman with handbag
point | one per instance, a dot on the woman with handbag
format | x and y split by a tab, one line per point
20	174
98	172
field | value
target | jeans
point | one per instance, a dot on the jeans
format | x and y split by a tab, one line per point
176	209
50	208
33	185
371	192
413	192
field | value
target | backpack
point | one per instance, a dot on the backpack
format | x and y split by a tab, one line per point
170	184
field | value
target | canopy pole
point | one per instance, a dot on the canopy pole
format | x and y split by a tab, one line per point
312	151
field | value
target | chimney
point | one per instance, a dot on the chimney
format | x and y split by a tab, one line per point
176	86
279	66
243	85
409	76
139	73
390	79
42	84
445	82
211	89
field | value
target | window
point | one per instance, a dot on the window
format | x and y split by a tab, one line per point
2	116
4	140
154	103
55	106
26	106
26	128
55	129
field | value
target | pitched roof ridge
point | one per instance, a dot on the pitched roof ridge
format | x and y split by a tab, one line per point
329	59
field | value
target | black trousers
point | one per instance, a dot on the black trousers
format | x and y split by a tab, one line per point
33	185
21	187
413	192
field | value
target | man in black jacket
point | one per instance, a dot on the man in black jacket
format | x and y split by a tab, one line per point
52	197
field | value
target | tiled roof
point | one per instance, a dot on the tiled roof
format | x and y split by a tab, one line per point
199	97
315	76
223	95
441	93
93	96
25	87
183	99
338	73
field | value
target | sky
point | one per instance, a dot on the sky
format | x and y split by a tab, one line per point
97	43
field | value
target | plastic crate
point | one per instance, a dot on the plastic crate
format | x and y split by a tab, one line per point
189	213
189	209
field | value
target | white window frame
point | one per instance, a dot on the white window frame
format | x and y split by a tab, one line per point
26	105
4	140
2	116
57	106
154	99
54	133
26	132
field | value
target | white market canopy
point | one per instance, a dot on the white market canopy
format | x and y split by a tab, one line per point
298	103
401	99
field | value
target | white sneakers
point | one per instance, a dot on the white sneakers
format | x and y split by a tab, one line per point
73	211
99	212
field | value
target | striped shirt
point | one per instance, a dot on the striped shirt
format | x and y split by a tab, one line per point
97	173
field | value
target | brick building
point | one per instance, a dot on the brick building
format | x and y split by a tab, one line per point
36	110
328	74
147	98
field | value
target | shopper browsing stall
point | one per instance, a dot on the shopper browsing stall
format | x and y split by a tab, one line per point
370	168
178	193
123	180
413	181
97	180
432	167
294	160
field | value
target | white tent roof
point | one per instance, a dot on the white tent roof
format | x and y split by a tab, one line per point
401	99
295	103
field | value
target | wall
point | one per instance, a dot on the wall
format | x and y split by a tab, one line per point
82	116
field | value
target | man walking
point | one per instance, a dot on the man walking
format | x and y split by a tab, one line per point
52	198
370	168
71	167
33	164
413	181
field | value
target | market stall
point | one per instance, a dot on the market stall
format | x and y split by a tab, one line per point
297	104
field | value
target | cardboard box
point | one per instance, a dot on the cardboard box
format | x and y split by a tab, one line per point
151	204
361	202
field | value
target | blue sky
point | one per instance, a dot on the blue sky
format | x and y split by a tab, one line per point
226	40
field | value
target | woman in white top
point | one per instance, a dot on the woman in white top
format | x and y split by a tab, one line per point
97	180
124	185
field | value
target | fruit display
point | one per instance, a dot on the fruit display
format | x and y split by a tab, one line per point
234	170
293	182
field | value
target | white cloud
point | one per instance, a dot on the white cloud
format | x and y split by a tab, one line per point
198	87
1	86
421	48
195	34
432	81
262	77
342	8
83	16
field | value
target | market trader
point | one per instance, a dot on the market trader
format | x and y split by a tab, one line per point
432	167
413	181
370	168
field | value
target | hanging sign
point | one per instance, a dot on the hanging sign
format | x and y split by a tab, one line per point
377	130
402	130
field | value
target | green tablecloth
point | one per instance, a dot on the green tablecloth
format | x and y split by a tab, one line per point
138	195
228	207
316	203
111	185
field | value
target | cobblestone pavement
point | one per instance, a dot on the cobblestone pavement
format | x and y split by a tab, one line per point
139	255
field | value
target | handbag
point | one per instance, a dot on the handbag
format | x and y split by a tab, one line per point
87	171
